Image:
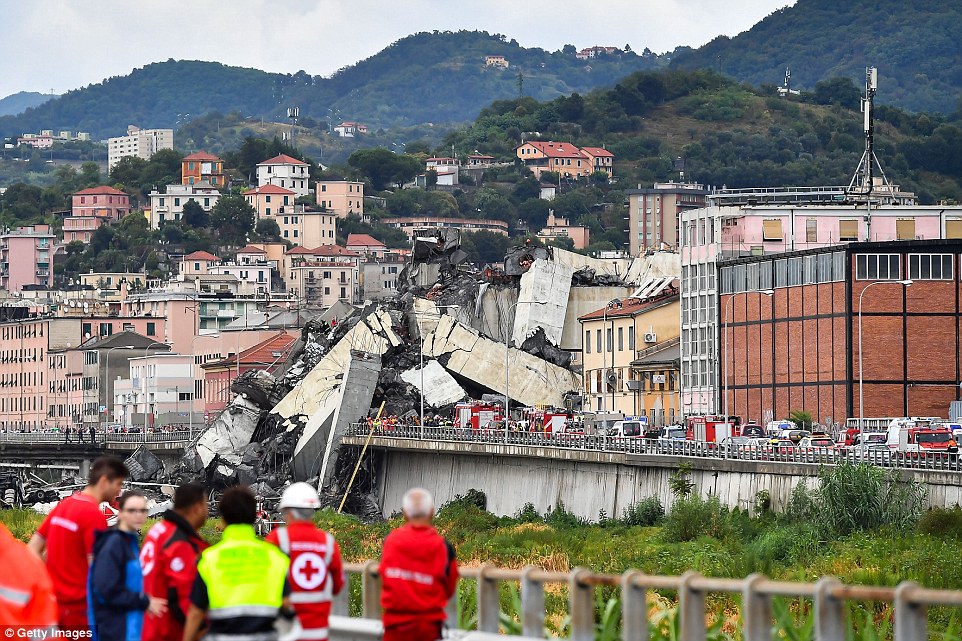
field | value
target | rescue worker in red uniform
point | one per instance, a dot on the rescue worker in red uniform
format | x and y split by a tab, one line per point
419	574
317	571
169	561
26	592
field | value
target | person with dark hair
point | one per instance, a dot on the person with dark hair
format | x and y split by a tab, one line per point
67	538
116	600
241	583
169	559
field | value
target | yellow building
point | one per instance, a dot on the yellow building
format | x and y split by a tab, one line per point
630	356
340	197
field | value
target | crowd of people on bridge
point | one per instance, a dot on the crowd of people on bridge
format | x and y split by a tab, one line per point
86	580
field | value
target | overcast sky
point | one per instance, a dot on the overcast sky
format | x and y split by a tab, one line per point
60	45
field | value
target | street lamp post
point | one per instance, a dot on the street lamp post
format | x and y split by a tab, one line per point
507	346
193	363
146	404
728	307
861	405
417	318
614	302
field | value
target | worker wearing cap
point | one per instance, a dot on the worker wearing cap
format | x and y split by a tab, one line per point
317	572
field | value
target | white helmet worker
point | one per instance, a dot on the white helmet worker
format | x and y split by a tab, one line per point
300	496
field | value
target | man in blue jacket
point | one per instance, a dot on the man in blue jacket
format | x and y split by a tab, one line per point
115	586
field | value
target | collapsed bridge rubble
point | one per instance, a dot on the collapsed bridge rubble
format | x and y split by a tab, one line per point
451	329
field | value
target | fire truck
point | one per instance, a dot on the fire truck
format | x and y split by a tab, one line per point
545	419
711	428
477	415
915	436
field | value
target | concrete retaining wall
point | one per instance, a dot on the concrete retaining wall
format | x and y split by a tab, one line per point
588	481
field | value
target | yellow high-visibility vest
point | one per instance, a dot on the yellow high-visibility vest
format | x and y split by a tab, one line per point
244	576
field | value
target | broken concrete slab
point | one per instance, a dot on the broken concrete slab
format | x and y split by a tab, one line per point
542	301
463	351
315	387
143	464
581	301
230	433
440	388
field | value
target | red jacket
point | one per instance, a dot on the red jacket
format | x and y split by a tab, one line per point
169	560
418	575
316	573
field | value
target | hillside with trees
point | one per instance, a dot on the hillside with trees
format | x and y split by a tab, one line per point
914	45
437	77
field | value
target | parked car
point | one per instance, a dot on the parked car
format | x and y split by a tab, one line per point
878	453
736	445
817	443
783	446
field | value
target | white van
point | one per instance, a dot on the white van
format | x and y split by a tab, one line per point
630	426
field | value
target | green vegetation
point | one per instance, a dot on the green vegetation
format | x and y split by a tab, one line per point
916	52
805	542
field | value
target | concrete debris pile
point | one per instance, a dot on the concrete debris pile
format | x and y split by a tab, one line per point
453	332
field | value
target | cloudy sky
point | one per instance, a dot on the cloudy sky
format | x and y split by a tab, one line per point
60	45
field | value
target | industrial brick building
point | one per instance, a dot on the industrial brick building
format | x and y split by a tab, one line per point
789	338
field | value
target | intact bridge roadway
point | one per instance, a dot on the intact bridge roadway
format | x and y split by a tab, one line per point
51	450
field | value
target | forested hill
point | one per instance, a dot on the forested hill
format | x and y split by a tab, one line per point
437	77
915	45
19	102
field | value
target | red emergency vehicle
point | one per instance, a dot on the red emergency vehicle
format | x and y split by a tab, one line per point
477	415
549	420
711	428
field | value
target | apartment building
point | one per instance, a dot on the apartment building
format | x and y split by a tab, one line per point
743	223
340	197
285	172
139	143
654	214
26	257
203	167
324	275
168	205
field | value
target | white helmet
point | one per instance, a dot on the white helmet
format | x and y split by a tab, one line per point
300	495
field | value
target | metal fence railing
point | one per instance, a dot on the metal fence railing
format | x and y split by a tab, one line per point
100	438
828	596
944	461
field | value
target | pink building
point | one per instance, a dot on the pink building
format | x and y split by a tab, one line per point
26	257
45	378
100	202
80	228
366	245
324	275
558	227
197	263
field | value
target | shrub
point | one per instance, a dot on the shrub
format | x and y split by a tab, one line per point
559	516
645	513
801	504
866	497
941	522
679	482
528	514
693	516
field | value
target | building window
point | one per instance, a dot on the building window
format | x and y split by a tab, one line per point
772	229
609	340
151	329
930	266
905	229
598	340
878	267
848	229
631	338
953	228
587	341
811	230
621	339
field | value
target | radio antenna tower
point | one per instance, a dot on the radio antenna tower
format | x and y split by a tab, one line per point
863	182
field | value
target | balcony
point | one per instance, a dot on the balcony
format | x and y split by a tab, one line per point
226	313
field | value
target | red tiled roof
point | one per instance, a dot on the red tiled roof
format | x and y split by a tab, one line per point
250	249
201	155
597	151
364	240
269	189
630	307
556	149
332	250
103	189
298	250
200	255
263	353
282	159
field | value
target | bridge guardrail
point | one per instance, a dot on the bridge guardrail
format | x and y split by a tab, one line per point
828	594
100	438
949	462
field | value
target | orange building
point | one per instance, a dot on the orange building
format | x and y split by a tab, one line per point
564	158
201	166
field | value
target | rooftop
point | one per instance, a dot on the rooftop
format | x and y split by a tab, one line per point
282	159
